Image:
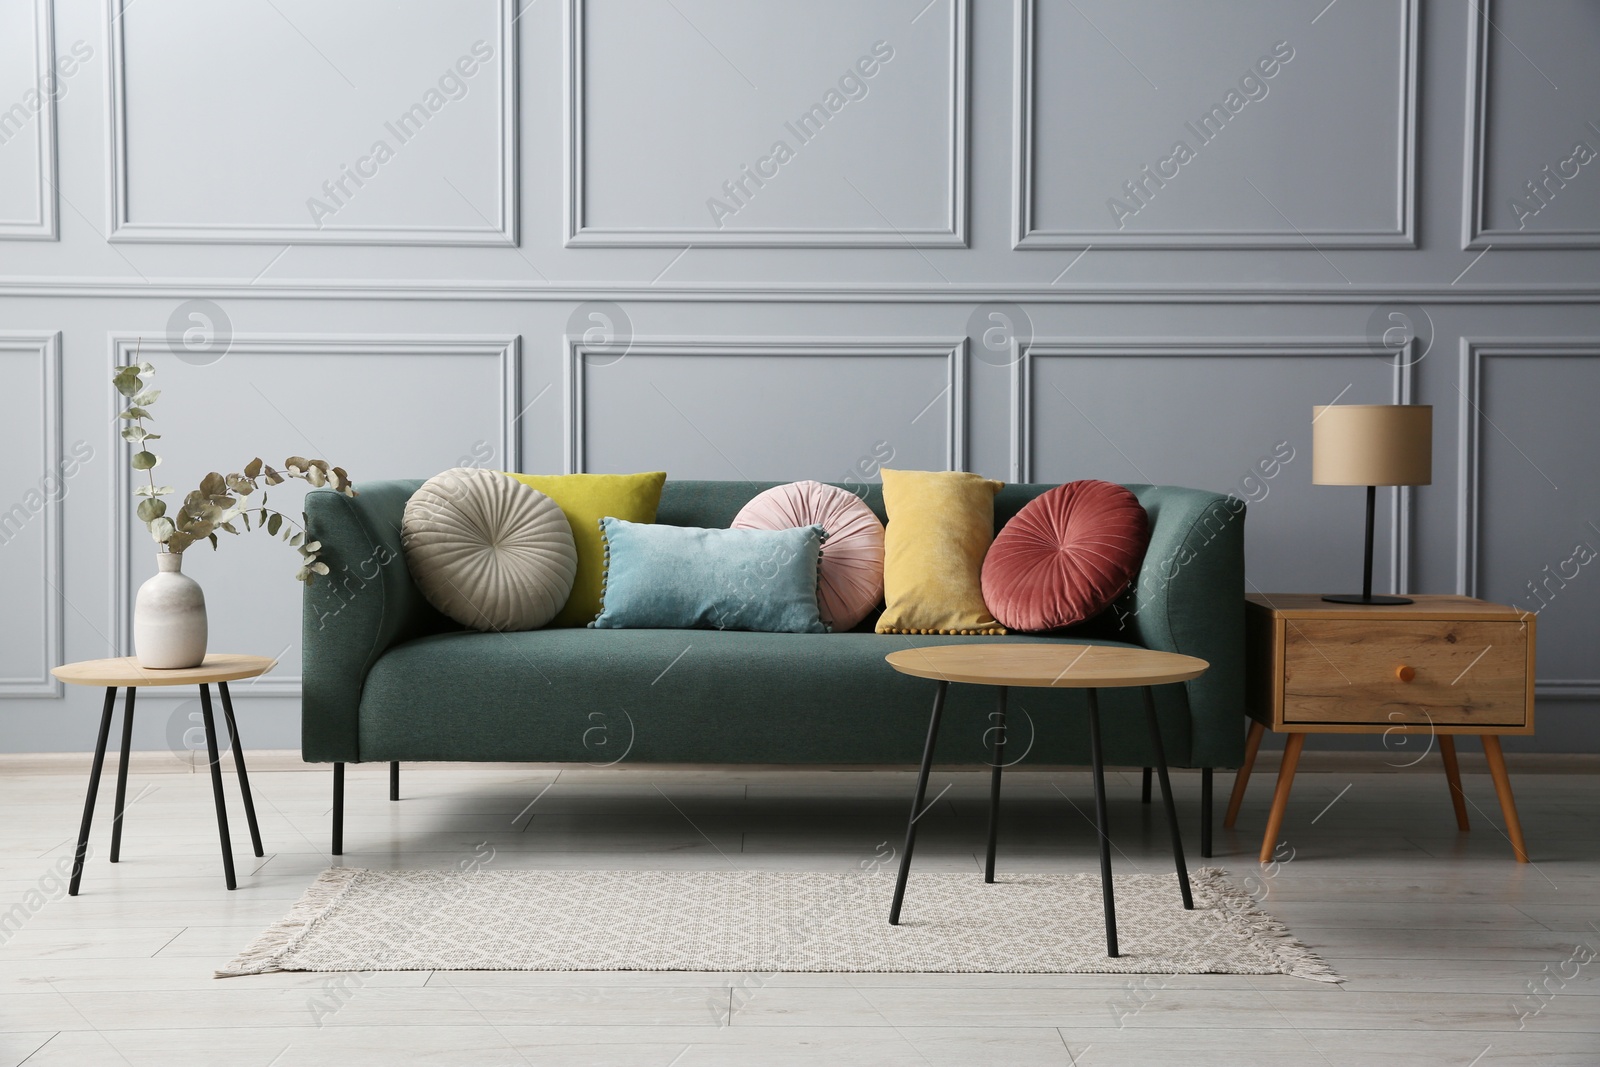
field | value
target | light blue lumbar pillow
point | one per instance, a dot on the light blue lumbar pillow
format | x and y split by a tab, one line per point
686	577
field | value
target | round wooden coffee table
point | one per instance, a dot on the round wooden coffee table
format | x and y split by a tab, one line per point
125	672
1056	666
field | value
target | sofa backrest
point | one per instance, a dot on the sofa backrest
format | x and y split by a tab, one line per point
714	504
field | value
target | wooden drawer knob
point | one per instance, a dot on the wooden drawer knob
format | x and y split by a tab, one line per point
1404	673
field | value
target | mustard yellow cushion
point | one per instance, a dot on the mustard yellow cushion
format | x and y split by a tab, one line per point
940	526
586	499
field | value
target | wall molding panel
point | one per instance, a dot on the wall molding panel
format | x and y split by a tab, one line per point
1475	231
505	350
1402	390
45	226
1027	235
501	231
1469	467
951	350
579	233
46	348
804	293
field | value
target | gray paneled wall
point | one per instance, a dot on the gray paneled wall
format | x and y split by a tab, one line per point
767	240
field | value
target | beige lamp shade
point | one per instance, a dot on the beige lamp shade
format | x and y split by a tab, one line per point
1372	444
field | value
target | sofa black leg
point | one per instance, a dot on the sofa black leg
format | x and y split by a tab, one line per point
338	809
1205	812
394	780
1144	792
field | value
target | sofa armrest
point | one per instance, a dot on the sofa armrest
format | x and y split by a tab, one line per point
366	604
1189	598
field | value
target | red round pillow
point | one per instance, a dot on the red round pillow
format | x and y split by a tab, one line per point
1065	556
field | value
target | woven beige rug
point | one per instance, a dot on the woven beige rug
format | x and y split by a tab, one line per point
769	921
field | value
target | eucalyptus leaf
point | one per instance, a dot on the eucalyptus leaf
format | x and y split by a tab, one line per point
127	382
143	461
213	484
136	412
147	368
296	539
150	509
319	568
253	468
179	541
296	464
303	574
213	539
274	524
146	398
162	529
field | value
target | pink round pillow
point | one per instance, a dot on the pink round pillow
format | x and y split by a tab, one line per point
1065	556
850	584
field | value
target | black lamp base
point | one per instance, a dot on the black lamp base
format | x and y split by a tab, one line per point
1357	598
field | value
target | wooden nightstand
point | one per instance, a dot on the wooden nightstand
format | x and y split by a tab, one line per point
1442	666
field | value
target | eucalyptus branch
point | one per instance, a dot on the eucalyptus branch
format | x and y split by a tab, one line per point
220	499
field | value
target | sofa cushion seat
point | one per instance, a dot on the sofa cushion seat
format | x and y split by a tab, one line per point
716	696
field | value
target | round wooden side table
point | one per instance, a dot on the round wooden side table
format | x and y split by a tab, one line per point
1056	666
125	672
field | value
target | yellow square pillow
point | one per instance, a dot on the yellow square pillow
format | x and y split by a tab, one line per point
940	526
586	499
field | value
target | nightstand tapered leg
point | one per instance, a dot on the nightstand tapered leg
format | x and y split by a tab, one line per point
1502	788
1252	745
1280	798
1452	774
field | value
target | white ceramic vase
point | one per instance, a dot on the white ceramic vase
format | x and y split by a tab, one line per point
169	617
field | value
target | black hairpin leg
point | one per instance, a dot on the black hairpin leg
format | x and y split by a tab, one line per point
1144	789
1166	795
1205	812
216	786
999	729
238	766
916	804
394	780
122	775
1102	823
94	788
338	809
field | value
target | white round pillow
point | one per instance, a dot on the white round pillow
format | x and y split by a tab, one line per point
489	551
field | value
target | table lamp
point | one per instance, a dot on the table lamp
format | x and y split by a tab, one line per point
1371	445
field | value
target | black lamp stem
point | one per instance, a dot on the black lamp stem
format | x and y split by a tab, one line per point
1366	596
1366	563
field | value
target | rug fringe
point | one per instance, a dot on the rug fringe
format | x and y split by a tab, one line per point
265	953
1296	959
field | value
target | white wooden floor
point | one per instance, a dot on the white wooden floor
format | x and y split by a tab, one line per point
1439	933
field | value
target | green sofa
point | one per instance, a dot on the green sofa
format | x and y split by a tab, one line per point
387	678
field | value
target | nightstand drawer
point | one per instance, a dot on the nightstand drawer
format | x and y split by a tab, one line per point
1462	673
